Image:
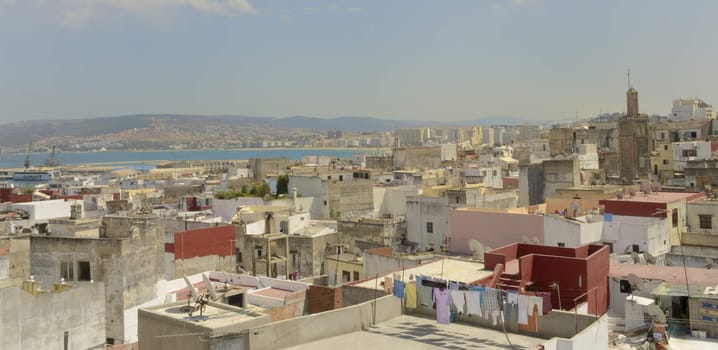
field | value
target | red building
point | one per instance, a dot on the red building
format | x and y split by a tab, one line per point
669	205
654	204
579	275
219	241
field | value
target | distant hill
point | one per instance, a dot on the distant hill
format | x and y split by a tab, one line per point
19	134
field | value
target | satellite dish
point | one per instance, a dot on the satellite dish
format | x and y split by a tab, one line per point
200	301
655	312
210	287
525	239
477	250
628	250
710	263
575	208
535	240
191	288
227	280
649	258
635	281
636	258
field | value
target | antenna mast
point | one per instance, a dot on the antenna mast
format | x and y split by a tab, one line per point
629	78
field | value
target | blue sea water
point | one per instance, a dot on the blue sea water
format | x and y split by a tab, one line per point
143	159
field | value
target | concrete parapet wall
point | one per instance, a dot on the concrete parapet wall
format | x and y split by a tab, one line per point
323	325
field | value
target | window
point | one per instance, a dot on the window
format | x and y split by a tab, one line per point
429	227
561	244
665	162
356	275
705	221
67	270
636	248
690	153
293	253
83	271
665	147
345	276
674	217
258	251
341	177
610	246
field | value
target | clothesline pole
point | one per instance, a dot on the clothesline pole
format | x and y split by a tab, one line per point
403	299
442	269
373	313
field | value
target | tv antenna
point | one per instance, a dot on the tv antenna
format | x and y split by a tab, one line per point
200	300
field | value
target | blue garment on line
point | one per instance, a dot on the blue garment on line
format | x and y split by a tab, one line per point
399	289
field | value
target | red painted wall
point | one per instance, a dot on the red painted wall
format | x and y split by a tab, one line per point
21	198
628	208
544	265
5	194
218	240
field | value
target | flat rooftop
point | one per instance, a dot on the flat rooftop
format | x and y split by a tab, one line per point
657	197
272	293
410	332
670	274
447	269
215	315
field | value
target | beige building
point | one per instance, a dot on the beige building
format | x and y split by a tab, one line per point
412	136
126	253
220	326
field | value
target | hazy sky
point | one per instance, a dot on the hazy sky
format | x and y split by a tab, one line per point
421	60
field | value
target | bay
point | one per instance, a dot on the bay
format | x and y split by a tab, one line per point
151	158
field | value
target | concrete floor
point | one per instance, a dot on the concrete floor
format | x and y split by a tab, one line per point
408	332
689	343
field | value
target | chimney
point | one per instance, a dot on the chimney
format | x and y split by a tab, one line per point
31	286
294	198
75	211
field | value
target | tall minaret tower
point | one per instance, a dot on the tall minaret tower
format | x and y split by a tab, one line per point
631	98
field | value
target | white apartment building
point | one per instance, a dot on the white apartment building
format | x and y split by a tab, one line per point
692	150
691	108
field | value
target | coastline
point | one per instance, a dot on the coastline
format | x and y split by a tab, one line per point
252	149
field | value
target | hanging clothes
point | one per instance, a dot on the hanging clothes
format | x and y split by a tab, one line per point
523	316
423	292
480	290
399	289
388	285
538	303
473	303
442	298
411	295
546	296
512	299
458	299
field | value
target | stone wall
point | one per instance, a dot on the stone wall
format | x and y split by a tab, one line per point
41	322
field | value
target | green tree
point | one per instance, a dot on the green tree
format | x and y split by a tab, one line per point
260	189
282	184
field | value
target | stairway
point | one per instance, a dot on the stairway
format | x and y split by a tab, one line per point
509	282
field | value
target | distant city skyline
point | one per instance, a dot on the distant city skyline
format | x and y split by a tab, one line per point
425	61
